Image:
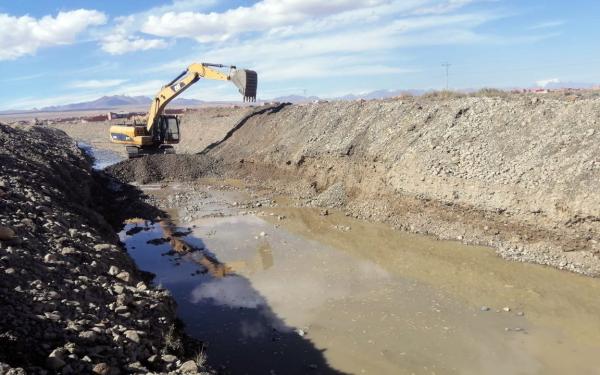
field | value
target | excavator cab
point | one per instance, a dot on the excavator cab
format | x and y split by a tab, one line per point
167	129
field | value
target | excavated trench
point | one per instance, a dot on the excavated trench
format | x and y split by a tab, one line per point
273	265
274	288
518	174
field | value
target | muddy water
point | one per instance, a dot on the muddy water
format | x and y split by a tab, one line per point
314	294
102	157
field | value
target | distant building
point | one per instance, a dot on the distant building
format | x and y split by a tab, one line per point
114	115
96	118
175	111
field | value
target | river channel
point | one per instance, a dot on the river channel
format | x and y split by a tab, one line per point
286	290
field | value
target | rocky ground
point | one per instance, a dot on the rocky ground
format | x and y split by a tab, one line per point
516	172
71	300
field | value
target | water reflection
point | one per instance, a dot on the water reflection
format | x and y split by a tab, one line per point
231	292
179	244
262	261
102	157
244	335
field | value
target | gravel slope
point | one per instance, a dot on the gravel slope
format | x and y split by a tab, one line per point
519	173
71	300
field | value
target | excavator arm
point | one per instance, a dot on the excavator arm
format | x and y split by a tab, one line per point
244	80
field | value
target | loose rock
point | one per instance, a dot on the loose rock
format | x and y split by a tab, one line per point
188	367
101	369
6	234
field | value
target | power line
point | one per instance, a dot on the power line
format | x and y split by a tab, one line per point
447	66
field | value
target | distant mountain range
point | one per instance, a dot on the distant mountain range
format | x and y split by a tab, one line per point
378	94
567	85
115	101
381	94
295	99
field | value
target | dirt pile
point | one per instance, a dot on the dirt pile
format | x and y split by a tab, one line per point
198	163
71	300
518	172
203	126
178	167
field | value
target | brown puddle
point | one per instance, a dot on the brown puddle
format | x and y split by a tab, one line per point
372	299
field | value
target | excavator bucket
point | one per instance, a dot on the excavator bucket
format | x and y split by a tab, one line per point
246	81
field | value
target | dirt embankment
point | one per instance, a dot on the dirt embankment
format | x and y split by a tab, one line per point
71	300
518	173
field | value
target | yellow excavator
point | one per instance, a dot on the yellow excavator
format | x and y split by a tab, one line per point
161	131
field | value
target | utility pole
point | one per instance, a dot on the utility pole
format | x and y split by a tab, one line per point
447	65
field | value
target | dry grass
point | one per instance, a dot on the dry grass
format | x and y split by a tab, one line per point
443	95
200	358
172	341
488	92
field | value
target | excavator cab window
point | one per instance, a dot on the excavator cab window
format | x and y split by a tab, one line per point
173	129
168	129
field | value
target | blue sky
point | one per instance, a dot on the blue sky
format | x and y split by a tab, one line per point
57	52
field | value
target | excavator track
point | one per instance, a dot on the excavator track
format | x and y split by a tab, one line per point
136	152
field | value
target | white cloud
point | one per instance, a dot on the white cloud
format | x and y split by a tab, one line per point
183	5
262	16
24	35
547	25
230	292
119	44
96	84
444	7
314	68
122	39
546	82
361	51
293	39
124	36
22	78
146	88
